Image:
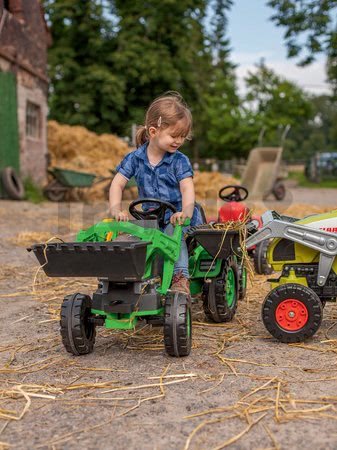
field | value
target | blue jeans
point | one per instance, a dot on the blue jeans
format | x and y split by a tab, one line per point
182	264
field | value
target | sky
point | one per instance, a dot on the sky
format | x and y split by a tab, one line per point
253	36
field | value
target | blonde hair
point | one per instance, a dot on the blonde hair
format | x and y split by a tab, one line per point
166	111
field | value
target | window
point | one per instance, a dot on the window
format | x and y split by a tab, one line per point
33	120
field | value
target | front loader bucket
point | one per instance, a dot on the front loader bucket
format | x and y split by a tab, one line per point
118	261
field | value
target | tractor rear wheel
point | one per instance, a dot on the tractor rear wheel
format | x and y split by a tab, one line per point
261	265
292	312
220	296
77	331
178	325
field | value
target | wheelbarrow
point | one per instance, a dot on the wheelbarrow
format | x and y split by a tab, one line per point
64	181
264	174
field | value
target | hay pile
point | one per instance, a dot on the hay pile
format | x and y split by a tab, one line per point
208	184
76	148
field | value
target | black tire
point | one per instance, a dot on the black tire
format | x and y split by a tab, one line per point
279	190
261	265
78	333
12	184
305	301
216	293
242	282
55	192
178	325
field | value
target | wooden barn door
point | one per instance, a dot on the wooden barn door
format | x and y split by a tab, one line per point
9	134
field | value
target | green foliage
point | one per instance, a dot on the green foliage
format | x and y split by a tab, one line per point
274	104
33	193
311	20
110	58
310	28
304	182
84	87
107	65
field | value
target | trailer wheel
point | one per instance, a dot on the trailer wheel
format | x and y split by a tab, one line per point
177	325
261	265
220	296
77	331
292	312
12	184
279	190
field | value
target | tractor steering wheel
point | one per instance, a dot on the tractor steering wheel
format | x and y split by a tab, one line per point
154	213
237	194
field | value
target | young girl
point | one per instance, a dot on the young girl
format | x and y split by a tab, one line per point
162	171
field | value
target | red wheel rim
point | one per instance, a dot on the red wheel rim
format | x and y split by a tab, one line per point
291	314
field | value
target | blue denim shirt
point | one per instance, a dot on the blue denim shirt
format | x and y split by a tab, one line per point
161	181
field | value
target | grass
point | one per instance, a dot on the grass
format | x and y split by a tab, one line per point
33	193
304	182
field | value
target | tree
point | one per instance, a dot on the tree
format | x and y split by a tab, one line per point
85	89
311	20
160	46
275	103
310	29
111	58
224	121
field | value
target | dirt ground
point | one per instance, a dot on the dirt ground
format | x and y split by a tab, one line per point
238	388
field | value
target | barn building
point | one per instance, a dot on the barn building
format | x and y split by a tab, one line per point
24	40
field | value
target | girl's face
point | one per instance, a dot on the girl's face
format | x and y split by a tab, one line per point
169	139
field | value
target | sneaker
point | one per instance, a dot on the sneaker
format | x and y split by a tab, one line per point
180	284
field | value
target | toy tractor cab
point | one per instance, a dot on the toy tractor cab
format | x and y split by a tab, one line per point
304	251
234	210
134	264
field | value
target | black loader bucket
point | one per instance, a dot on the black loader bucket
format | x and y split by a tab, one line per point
218	243
118	261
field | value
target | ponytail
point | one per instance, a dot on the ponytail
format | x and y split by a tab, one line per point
141	136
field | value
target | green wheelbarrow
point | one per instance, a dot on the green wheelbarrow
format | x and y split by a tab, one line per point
64	181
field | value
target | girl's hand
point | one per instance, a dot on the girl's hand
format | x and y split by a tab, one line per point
120	216
178	218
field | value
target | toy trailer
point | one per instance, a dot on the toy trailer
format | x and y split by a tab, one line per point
304	251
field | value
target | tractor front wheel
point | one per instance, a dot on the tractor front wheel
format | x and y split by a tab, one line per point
292	312
77	330
178	325
220	296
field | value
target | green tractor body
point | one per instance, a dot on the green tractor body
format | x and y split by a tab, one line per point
134	263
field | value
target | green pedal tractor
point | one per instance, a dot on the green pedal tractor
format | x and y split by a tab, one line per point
304	251
134	264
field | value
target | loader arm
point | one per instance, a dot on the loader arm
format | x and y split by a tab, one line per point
322	241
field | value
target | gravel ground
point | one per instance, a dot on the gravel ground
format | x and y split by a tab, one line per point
238	388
